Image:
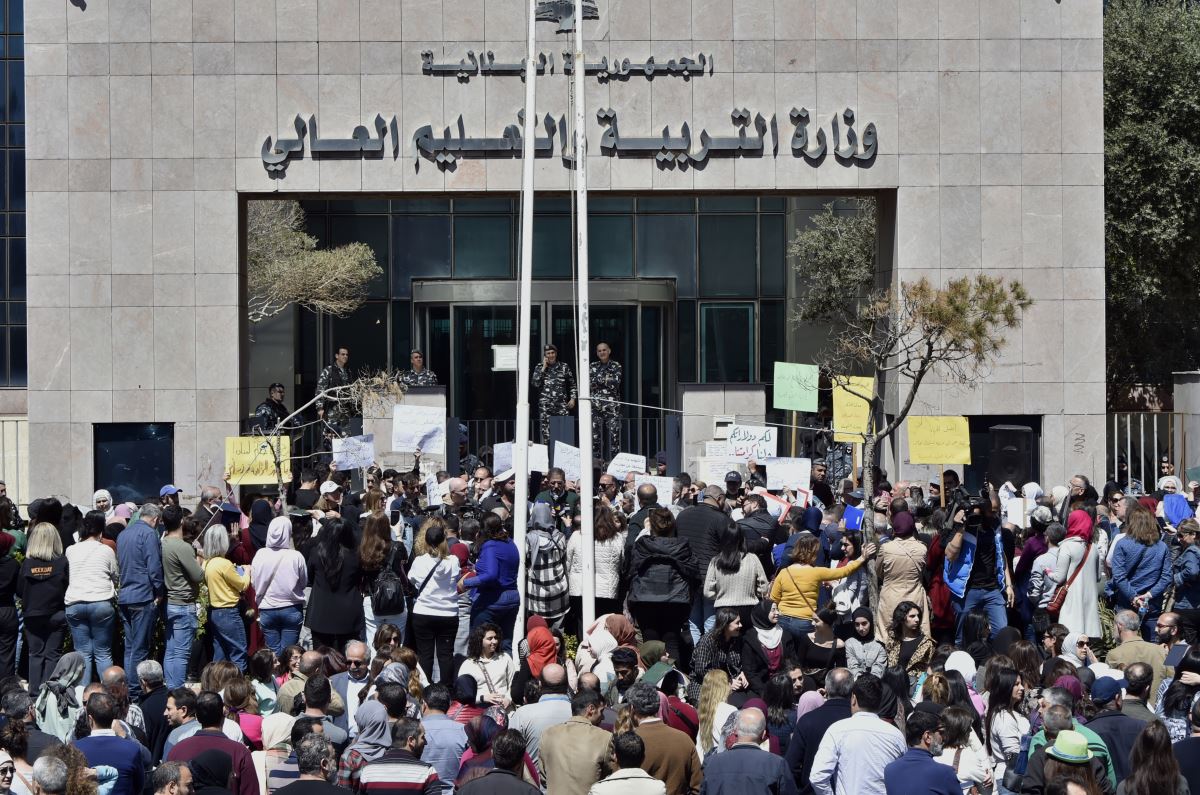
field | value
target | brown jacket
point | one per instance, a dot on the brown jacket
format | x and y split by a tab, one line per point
574	756
1138	650
671	758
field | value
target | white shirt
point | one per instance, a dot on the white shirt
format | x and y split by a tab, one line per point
440	595
93	568
853	754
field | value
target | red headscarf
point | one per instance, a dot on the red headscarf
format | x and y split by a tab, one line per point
542	650
535	621
6	543
1079	525
1149	503
621	629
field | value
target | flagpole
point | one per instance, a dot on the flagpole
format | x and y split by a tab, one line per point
524	301
586	489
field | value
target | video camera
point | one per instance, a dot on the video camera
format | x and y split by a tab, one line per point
973	507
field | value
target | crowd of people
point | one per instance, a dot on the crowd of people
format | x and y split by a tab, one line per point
1011	641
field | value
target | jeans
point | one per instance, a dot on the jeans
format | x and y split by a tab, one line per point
990	601
435	635
503	617
138	622
44	635
702	619
180	629
796	627
281	627
229	635
91	632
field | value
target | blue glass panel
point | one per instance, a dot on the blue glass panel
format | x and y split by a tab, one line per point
16	224
16	17
483	205
772	335
16	135
16	269
610	204
666	247
16	46
369	229
553	247
421	250
666	204
685	320
728	255
772	255
16	91
727	343
610	246
483	247
16	180
776	204
19	357
421	205
728	204
16	312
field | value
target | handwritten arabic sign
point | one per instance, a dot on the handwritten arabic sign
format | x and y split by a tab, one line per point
624	463
251	462
419	428
788	473
663	486
354	452
503	457
938	440
566	458
751	442
796	386
850	412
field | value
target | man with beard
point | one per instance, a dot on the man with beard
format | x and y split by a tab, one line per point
918	770
820	487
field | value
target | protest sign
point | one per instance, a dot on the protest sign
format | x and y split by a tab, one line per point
251	462
716	450
354	452
502	456
713	470
662	485
752	442
938	440
566	458
539	458
851	414
419	428
796	386
624	463
788	473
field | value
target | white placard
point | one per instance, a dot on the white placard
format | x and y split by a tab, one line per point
442	490
354	452
788	473
662	485
419	428
752	442
716	449
624	463
539	458
566	458
431	487
502	457
504	358
713	470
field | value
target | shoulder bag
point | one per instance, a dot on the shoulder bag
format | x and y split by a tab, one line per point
1060	594
387	592
409	633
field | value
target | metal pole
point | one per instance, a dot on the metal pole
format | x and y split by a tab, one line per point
586	490
524	302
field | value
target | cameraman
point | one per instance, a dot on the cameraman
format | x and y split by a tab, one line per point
977	571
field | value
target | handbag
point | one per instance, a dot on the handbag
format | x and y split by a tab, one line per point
408	627
387	593
1015	765
1060	593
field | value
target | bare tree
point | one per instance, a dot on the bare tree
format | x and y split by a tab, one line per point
285	267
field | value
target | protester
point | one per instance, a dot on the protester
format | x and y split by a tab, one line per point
663	575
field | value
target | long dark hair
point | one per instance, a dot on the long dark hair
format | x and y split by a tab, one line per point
1155	768
725	617
733	549
975	628
1178	698
335	536
960	696
999	698
92	525
896	628
780	697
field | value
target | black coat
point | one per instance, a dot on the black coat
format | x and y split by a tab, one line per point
1118	731
701	527
754	659
806	738
763	531
42	586
662	570
335	608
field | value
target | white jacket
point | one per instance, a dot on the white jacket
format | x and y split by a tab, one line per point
629	781
609	556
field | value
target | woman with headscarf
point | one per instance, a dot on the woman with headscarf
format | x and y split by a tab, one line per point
765	646
543	650
659	669
477	759
901	574
276	746
600	640
279	575
1077	650
864	652
102	501
57	705
1081	610
373	741
466	697
261	515
211	771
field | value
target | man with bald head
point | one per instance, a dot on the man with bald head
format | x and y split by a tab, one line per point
746	768
456	497
349	683
311	662
553	708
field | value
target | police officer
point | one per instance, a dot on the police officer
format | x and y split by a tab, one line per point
556	383
606	410
335	409
271	411
419	375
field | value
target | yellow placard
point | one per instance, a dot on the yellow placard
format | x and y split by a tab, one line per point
251	462
851	414
938	440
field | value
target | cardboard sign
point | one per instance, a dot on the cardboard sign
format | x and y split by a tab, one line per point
566	458
788	473
713	470
938	440
662	485
796	386
251	462
852	414
502	457
539	458
354	452
419	428
752	442
716	450
624	463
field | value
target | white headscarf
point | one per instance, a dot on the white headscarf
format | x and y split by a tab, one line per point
110	511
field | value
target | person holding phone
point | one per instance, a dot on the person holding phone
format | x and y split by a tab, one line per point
555	382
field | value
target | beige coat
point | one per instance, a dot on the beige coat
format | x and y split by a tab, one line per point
573	756
901	565
629	781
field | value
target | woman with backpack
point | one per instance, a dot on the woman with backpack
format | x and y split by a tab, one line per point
383	563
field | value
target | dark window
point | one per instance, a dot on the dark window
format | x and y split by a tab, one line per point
483	247
133	459
610	246
728	256
686	335
727	204
727	343
772	337
369	229
553	247
772	255
402	341
13	370
666	247
365	333
666	204
421	250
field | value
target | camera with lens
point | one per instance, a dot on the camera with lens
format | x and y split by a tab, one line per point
972	506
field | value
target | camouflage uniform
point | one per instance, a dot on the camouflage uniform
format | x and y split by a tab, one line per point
606	411
557	385
269	414
338	410
424	378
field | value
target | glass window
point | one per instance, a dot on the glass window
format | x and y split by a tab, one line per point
666	204
483	247
16	46
422	250
777	204
369	229
727	204
610	204
772	337
16	91
359	206
553	247
402	339
483	206
726	343
365	333
610	246
666	247
686	334
421	205
16	23
552	204
18	367
16	180
728	256
772	255
437	346
133	459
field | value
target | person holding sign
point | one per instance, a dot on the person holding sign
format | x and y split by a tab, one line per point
556	384
606	378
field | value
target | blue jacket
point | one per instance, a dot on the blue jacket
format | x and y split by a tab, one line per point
119	752
495	580
1186	574
139	558
957	572
1137	568
745	769
917	771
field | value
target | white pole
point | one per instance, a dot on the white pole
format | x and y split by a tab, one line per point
586	489
524	301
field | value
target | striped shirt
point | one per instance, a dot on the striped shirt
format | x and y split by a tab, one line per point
283	774
398	772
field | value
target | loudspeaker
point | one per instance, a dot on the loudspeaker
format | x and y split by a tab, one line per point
1010	455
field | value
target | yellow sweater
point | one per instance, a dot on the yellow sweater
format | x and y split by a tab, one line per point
225	585
795	588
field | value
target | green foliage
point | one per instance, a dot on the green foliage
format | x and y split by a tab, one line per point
836	258
1152	167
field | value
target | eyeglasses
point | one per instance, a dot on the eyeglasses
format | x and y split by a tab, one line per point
355	663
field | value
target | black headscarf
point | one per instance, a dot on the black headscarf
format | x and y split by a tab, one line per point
260	520
211	771
863	612
760	616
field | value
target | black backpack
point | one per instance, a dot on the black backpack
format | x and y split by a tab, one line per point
387	594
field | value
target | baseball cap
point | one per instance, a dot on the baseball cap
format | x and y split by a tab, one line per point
1106	688
329	487
505	476
733	476
168	489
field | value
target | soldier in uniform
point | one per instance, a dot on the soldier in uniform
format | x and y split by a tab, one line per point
272	411
419	375
556	383
336	410
606	410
